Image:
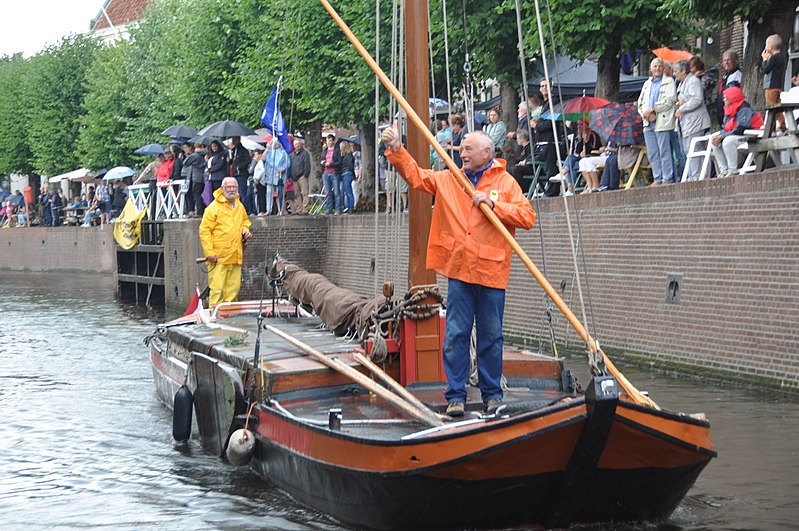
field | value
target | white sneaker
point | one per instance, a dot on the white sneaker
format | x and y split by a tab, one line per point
568	194
559	178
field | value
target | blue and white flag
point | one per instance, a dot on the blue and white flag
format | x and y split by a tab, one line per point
272	119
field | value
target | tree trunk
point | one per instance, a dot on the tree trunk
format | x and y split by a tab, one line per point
779	19
509	100
367	178
607	71
313	136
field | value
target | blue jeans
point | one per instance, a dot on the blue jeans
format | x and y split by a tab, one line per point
679	155
332	186
245	193
658	147
469	304
572	165
346	190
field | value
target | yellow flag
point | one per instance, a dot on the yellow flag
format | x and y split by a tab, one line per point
127	227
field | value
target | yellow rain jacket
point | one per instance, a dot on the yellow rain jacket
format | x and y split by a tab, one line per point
463	244
221	228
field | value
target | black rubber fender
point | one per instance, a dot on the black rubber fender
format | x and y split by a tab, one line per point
181	414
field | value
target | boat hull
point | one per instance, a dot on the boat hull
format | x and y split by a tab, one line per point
436	499
440	496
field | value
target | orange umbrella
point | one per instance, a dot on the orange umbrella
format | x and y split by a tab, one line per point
672	56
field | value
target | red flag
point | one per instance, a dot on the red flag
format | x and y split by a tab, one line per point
194	303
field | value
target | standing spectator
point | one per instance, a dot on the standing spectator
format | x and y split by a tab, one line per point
356	184
546	136
347	177
732	78
119	200
774	63
738	117
148	175
708	80
216	166
331	164
656	105
223	230
258	174
178	155
239	168
300	173
164	172
193	166
691	112
56	204
454	145
275	166
497	130
103	197
442	136
45	214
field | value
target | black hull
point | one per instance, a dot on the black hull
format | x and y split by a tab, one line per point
424	502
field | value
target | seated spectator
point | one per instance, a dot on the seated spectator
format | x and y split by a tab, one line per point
583	145
738	117
589	167
524	163
7	214
93	212
76	203
22	217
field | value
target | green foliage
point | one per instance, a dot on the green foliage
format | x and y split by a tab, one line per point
15	156
236	339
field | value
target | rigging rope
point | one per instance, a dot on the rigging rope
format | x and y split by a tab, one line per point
377	150
446	60
522	61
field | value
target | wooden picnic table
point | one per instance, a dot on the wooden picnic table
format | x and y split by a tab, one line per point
772	143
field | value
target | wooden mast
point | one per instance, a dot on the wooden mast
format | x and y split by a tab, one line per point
426	346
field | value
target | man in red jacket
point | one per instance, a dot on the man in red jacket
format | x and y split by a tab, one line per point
465	247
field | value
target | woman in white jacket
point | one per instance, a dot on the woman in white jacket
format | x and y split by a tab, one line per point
656	105
691	112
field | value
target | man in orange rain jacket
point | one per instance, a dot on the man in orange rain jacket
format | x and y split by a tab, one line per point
223	229
465	247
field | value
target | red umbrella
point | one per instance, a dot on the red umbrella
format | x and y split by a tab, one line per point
583	104
672	56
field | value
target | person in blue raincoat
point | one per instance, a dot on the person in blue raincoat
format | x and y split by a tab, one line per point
276	164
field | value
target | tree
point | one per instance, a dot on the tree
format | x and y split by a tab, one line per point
15	155
54	91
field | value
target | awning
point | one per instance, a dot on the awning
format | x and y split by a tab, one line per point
82	175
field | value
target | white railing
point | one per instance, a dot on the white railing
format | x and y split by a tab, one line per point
169	201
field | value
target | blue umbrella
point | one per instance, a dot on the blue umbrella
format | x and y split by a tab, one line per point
150	149
118	172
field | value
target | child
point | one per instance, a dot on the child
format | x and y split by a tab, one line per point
774	74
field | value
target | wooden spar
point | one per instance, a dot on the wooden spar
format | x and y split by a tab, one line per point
424	415
634	394
416	14
391	382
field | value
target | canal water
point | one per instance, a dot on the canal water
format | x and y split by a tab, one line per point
86	445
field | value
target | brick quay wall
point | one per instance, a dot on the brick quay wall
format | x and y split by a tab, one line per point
700	277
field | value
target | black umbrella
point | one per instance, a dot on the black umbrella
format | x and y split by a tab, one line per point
179	131
201	140
150	149
227	128
101	173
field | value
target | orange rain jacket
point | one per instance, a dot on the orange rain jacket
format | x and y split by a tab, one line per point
463	244
221	227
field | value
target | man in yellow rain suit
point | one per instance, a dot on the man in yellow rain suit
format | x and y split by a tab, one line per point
223	230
